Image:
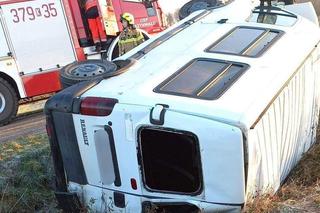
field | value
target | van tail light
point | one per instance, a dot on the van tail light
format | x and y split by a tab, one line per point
49	127
96	106
134	185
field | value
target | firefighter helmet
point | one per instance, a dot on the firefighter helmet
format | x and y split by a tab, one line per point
128	17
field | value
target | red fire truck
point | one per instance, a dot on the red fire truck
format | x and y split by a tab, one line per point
38	37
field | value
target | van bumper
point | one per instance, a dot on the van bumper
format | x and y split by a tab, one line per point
98	199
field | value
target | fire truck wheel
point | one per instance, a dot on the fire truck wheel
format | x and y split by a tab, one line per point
195	5
8	102
84	71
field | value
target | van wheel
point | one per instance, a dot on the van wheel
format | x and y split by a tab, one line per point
85	70
195	5
289	2
8	102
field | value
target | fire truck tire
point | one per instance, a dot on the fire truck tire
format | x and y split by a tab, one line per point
195	5
8	102
85	70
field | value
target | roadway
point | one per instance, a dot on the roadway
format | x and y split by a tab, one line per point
28	122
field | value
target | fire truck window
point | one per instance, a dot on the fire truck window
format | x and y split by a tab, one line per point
203	79
151	11
245	41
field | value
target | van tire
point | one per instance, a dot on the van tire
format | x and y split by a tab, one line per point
287	2
85	70
195	5
8	102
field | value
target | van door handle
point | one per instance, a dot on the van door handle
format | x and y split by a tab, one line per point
9	54
157	114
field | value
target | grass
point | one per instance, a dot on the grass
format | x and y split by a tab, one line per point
31	107
26	176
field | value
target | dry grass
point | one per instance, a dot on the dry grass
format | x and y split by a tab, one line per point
31	107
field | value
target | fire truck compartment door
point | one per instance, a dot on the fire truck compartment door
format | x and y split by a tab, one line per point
39	34
4	49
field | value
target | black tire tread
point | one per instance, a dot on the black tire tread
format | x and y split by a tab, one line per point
184	11
66	79
15	106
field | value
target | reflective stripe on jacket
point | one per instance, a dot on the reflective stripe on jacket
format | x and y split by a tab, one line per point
129	39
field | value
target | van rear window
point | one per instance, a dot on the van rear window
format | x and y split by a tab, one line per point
166	153
245	41
203	79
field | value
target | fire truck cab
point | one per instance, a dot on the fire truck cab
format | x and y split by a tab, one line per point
38	37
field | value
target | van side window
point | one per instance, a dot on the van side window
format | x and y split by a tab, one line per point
275	16
203	79
245	41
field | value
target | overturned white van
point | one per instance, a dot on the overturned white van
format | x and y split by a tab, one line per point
209	113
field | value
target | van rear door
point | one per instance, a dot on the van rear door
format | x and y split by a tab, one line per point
192	156
187	155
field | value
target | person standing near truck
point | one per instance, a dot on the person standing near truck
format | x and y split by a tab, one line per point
130	37
99	36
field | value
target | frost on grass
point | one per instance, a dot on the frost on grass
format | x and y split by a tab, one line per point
26	176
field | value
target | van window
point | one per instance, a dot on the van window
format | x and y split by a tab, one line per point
167	153
273	16
203	79
245	41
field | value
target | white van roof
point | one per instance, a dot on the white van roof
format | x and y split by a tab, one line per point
247	97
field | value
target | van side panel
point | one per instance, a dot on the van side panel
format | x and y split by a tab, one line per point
285	131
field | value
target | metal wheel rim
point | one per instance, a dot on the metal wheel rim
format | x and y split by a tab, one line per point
2	103
88	70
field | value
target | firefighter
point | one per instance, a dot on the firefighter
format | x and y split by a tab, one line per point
99	36
130	37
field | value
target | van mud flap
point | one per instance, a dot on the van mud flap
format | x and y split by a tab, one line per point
65	103
69	202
